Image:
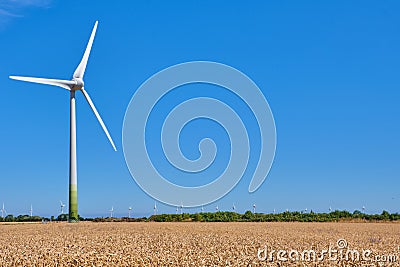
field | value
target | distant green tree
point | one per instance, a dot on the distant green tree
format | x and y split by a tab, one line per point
9	218
62	217
357	212
22	218
197	217
385	215
248	215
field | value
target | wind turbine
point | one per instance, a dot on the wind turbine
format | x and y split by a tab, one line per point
202	209
62	207
254	208
181	208
363	209
216	208
129	212
73	85
3	211
155	208
111	211
233	207
31	210
330	209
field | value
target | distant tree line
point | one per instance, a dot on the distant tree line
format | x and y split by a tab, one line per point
20	218
27	218
296	216
226	216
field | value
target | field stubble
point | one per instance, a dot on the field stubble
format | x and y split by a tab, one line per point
186	244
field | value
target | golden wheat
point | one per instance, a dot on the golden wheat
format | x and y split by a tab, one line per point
186	244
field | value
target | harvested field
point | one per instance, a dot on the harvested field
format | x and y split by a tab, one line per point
197	244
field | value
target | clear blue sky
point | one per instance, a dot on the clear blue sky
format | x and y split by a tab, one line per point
329	70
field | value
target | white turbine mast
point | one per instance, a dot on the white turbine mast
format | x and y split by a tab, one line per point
129	212
3	211
217	208
155	208
254	208
233	207
74	85
31	210
62	205
202	209
111	211
181	208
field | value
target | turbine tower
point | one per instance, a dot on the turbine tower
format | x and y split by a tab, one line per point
129	212
111	212
233	207
62	207
73	85
31	210
254	208
3	211
155	208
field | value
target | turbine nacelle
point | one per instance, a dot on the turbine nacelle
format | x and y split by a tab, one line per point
78	84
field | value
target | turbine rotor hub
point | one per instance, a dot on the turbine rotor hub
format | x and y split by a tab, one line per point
78	84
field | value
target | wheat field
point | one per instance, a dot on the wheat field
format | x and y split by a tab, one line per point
194	244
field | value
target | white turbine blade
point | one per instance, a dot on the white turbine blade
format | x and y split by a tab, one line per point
60	83
98	117
80	70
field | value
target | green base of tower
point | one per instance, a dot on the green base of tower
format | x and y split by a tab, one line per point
73	204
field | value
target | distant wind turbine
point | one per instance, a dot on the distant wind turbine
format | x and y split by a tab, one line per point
111	211
155	208
330	209
233	207
254	208
129	212
181	208
62	205
202	209
31	210
216	208
73	85
3	211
